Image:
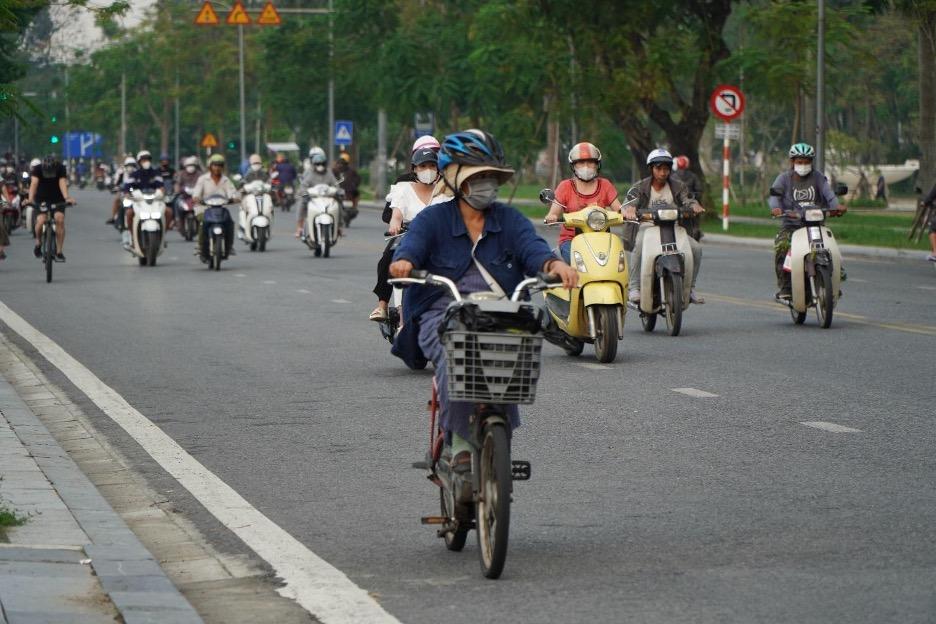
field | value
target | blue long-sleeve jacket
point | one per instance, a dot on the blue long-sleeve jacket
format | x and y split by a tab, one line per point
437	241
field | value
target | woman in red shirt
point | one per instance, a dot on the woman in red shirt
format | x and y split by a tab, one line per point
584	188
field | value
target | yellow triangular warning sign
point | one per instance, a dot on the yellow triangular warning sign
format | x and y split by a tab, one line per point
269	16
238	16
207	15
209	140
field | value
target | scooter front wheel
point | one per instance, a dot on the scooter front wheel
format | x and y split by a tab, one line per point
648	321
824	296
673	295
798	317
606	339
492	509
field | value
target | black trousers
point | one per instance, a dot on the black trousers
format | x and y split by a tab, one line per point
383	290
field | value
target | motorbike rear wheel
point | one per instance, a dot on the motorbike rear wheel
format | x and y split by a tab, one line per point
189	231
454	540
673	301
824	295
606	339
492	508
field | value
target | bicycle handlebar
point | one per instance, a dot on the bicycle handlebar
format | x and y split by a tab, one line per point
424	278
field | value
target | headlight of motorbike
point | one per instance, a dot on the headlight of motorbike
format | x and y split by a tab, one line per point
814	215
597	220
622	262
668	214
579	262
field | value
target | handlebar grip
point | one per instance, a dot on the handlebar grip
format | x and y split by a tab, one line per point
546	278
419	274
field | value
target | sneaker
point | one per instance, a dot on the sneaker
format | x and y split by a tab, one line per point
37	251
634	296
785	292
379	315
695	298
931	257
110	221
60	257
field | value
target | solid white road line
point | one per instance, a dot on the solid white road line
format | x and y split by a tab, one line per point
694	392
593	366
827	426
315	584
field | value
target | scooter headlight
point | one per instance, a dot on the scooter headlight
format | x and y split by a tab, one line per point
814	215
597	220
668	214
217	230
622	262
579	262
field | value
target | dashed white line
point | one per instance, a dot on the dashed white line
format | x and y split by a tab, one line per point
827	426
319	587
269	281
927	287
304	291
340	301
240	275
593	366
695	392
857	280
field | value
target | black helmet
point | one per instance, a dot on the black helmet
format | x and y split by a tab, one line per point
49	166
424	155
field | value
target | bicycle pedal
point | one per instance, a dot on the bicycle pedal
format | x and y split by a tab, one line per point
433	520
520	470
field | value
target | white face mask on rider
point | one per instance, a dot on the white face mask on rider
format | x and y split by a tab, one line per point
146	164
802	170
256	166
427	176
585	172
320	168
190	168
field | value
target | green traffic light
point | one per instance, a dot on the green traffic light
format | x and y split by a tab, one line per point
232	145
54	118
53	139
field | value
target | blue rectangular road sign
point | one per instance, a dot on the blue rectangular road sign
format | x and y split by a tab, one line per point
344	131
82	145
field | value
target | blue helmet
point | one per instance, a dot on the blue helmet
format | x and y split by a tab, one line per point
471	148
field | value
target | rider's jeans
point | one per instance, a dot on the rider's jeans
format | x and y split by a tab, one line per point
565	251
635	258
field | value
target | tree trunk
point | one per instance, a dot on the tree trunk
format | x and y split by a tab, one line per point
927	79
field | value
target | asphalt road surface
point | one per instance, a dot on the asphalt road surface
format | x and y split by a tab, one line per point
710	504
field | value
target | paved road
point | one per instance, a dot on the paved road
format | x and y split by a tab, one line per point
646	504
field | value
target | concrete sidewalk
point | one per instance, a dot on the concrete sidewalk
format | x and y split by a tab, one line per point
74	559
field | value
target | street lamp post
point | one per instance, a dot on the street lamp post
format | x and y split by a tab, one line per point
820	90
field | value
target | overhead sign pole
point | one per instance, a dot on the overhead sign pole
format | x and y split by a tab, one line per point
727	103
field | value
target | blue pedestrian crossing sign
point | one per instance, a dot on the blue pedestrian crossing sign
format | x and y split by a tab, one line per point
344	130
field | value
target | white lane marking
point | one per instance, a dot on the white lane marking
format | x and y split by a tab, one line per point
325	591
173	258
857	280
269	281
695	392
304	291
340	301
827	426
240	275
592	366
927	287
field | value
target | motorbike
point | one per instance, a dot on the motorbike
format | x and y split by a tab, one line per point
256	215
323	219
185	209
493	351
593	311
814	263
216	218
284	195
391	325
149	226
666	267
11	209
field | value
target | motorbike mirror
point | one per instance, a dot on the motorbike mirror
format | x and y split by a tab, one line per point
238	177
776	191
547	196
918	190
841	189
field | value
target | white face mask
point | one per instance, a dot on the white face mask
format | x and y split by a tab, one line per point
256	166
146	164
585	172
190	168
320	168
427	176
802	170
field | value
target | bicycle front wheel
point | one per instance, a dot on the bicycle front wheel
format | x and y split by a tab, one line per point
492	509
48	251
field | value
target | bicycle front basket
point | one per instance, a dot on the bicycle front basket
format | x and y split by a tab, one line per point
492	367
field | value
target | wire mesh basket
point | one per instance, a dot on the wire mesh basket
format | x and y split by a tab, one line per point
492	367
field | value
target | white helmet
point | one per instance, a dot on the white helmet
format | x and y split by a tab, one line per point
255	159
316	151
130	160
144	154
427	140
190	160
34	162
659	156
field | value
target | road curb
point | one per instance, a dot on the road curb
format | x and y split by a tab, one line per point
128	574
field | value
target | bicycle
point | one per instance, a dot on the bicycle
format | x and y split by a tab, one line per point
47	239
493	349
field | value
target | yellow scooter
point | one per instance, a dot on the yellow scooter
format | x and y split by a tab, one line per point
594	310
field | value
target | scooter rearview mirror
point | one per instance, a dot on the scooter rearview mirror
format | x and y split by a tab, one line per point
841	189
547	196
776	191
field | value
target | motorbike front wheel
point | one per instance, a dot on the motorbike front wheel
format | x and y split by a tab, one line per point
492	509
606	338
262	234
190	225
152	249
326	241
798	317
218	246
648	321
673	297
824	295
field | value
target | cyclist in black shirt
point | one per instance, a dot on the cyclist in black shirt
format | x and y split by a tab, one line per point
49	184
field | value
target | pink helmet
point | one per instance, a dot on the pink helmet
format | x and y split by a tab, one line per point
427	141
